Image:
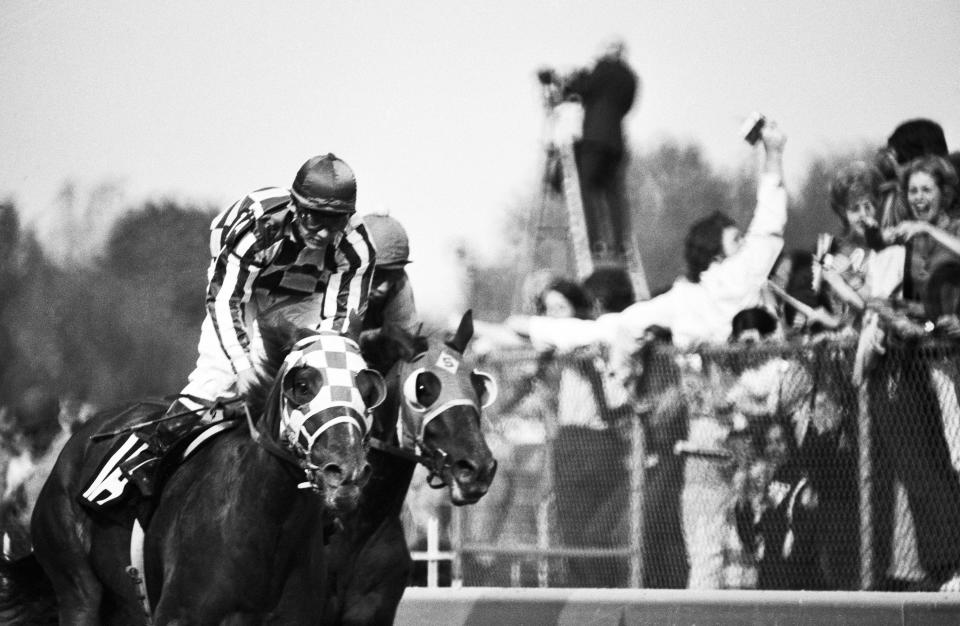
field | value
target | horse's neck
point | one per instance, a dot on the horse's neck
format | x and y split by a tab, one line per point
391	474
263	480
384	425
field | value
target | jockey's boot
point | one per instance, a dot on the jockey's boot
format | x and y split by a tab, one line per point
142	467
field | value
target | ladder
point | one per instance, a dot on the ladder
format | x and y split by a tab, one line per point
584	261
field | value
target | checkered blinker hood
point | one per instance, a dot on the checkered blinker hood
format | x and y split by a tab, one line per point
435	382
339	373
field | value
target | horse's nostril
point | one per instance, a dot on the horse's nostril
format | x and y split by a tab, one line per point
464	470
332	474
365	473
491	469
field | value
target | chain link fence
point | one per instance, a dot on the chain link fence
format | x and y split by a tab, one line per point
759	466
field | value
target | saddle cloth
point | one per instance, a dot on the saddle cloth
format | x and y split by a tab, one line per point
107	485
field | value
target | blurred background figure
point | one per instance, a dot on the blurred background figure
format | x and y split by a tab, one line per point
930	235
391	303
607	92
35	437
777	515
910	140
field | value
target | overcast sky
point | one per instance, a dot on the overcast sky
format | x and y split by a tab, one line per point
434	104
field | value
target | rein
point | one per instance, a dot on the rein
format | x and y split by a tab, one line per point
270	445
435	462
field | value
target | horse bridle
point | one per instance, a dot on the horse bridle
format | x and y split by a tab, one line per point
434	459
299	457
295	418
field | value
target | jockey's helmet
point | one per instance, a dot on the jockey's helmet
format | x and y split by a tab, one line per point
389	239
325	184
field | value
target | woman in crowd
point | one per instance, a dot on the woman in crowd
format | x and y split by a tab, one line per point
860	266
932	236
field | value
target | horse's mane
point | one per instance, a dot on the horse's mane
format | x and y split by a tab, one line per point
390	345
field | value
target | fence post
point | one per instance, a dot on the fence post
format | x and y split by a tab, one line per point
456	547
865	483
637	510
544	503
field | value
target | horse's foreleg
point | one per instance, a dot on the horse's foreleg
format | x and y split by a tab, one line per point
61	552
79	594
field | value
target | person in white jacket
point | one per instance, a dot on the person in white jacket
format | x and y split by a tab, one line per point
726	272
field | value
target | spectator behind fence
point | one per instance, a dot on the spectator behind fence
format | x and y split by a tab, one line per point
725	274
777	515
954	211
905	571
716	420
664	417
910	140
859	266
590	474
912	399
930	186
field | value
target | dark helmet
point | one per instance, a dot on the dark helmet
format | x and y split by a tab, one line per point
389	239
325	183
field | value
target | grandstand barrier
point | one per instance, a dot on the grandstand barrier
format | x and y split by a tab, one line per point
478	606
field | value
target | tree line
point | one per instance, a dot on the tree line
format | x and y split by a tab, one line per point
123	326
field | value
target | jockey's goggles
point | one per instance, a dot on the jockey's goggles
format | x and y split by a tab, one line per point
317	220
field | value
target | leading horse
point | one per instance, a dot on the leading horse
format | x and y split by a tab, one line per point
431	416
230	520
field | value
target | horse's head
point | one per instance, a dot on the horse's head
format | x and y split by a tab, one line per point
320	405
440	407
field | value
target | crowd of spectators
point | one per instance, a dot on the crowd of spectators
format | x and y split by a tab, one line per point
780	358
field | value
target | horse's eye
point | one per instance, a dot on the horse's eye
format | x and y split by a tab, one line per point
302	384
427	388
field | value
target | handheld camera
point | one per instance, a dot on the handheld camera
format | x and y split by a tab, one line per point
752	126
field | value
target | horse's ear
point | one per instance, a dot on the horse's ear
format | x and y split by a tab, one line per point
486	387
354	326
464	333
372	388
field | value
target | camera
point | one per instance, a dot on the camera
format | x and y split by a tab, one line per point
751	128
547	76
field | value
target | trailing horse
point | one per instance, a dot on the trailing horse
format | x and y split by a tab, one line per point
435	401
227	528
